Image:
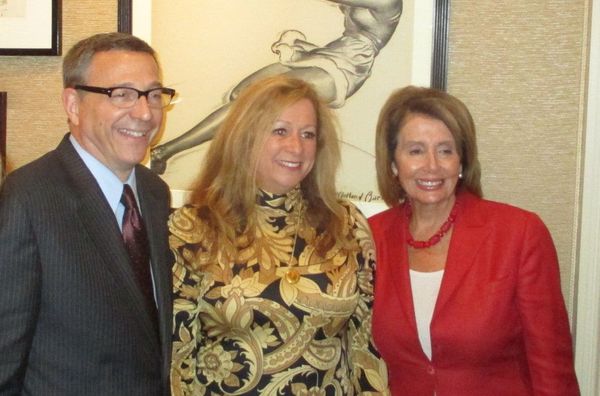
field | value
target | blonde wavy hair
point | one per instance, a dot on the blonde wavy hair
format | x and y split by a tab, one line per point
226	190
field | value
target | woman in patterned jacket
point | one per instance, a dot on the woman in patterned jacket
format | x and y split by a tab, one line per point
273	275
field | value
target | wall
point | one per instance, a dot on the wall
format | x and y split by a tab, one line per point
35	118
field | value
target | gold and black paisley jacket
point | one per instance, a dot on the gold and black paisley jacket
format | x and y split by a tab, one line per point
267	315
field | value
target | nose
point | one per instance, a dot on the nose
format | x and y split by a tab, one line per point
293	142
432	160
141	109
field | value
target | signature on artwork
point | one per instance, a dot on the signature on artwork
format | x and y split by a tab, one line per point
368	196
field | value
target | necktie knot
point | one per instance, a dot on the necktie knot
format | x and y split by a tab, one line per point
134	232
128	197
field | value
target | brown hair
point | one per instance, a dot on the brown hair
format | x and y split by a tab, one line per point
435	104
227	189
79	57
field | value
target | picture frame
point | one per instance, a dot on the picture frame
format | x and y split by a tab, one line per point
30	27
441	18
221	45
3	105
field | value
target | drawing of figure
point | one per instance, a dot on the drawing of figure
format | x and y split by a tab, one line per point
3	7
337	70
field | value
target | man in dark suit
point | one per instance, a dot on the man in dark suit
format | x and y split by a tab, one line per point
78	316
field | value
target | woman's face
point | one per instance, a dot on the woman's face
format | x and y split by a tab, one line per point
289	152
427	161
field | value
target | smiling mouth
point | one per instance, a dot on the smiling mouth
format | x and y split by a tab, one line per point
132	133
290	164
429	183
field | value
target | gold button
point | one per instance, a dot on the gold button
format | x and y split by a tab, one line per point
292	276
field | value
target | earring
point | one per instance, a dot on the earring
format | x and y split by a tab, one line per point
394	169
460	175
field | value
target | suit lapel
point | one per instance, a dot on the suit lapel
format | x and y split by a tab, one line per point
468	236
398	254
100	224
155	213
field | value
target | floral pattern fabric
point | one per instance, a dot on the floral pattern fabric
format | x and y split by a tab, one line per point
267	315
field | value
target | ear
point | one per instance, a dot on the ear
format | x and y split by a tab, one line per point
71	101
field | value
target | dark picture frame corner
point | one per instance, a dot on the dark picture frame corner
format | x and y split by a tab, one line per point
55	48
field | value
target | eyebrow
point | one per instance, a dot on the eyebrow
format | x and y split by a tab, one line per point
302	127
422	142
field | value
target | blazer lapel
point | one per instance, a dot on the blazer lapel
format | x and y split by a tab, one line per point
398	254
100	223
155	212
468	236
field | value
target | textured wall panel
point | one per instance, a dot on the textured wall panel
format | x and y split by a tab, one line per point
518	66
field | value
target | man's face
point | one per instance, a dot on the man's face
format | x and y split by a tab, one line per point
117	137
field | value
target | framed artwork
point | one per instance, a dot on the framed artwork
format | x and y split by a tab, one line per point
2	134
209	50
30	27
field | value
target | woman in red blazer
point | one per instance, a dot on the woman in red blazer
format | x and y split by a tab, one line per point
467	291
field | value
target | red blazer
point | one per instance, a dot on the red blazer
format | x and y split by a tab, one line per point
499	327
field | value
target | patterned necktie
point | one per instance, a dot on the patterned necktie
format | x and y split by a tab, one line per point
136	243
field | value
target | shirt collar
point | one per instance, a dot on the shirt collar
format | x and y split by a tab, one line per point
110	184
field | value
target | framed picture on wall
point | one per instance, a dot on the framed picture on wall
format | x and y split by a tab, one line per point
210	49
30	27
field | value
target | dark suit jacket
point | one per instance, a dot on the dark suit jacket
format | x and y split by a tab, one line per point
499	326
72	318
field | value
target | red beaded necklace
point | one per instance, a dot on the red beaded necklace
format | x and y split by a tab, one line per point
435	238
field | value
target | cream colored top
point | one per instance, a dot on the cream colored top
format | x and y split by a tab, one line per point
425	289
